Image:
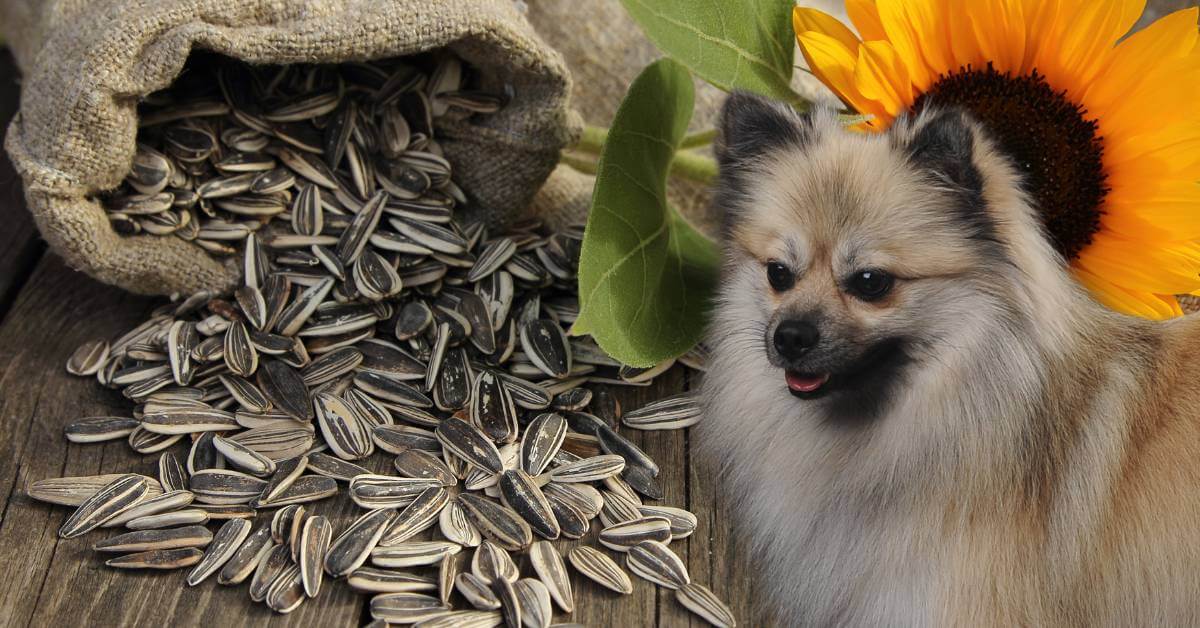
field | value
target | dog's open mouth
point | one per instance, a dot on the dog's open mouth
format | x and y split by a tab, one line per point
806	385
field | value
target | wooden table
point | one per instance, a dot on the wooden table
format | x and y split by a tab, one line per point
48	309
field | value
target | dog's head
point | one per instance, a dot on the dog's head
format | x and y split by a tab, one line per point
858	255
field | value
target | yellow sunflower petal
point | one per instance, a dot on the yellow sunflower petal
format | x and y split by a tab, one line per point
865	17
894	15
999	27
1079	38
1163	268
834	64
1154	220
1136	303
881	77
805	19
1170	37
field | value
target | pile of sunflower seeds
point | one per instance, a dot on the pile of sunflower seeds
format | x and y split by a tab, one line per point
370	320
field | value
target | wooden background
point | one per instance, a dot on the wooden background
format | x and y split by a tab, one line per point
48	309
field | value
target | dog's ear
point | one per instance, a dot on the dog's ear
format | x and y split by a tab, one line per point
750	126
944	144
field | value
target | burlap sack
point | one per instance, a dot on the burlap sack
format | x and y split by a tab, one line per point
86	63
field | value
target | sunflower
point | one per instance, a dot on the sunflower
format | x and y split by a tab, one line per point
1105	126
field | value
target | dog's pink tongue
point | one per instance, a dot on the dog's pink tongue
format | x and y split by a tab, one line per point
805	383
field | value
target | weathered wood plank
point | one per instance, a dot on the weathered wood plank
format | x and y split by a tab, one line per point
19	245
60	582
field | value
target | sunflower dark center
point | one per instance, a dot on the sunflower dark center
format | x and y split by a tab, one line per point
1056	149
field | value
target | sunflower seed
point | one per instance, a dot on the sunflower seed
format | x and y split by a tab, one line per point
243	457
643	481
157	559
613	443
285	388
470	444
151	506
701	601
624	535
277	442
246	393
240	355
455	526
108	502
406	608
346	434
463	619
150	540
269	569
492	408
414	463
549	567
242	564
655	562
390	389
523	496
74	491
395	439
541	442
224	544
600	569
99	429
496	522
477	591
572	522
184	517
352	547
582	497
674	412
306	488
89	358
534	597
376	580
285	475
314	543
618	509
335	468
588	469
510	603
546	344
383	491
286	593
417	516
413	554
221	486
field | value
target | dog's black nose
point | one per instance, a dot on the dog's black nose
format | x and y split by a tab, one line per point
794	338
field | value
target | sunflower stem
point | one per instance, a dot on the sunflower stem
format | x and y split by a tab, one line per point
685	164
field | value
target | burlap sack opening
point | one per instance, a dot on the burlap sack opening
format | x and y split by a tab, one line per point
86	63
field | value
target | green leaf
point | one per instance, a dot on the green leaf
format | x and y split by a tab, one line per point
645	274
733	44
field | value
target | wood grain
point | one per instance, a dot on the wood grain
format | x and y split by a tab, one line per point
19	245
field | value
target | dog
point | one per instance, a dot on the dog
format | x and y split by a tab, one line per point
920	417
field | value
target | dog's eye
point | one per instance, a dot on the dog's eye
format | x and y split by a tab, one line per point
870	285
780	276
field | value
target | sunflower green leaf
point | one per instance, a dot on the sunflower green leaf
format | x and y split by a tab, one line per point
748	44
645	275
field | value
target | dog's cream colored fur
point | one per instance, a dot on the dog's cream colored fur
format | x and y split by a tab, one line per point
1040	463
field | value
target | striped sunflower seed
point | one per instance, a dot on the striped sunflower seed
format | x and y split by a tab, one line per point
224	545
376	580
600	569
655	562
108	502
157	559
550	569
706	605
150	540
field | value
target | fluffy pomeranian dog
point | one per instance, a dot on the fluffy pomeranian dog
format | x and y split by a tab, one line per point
922	419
